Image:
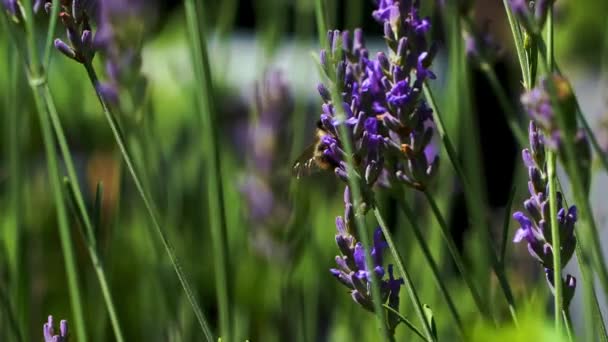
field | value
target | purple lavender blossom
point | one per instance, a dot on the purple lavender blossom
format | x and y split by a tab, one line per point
388	121
535	225
76	17
48	331
352	269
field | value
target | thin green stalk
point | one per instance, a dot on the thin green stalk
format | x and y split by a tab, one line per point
405	321
62	218
519	46
36	79
18	289
215	195
555	239
411	217
118	136
505	104
499	261
568	325
593	313
409	284
555	236
97	265
456	255
50	36
445	231
321	24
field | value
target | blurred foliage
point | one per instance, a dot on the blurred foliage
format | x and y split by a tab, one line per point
271	301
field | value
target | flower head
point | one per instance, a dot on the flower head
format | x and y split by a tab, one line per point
534	222
385	116
48	331
352	269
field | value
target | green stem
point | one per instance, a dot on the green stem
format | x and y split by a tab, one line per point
411	217
48	47
215	195
519	46
568	325
98	266
36	78
321	24
593	313
455	254
118	136
62	219
555	236
409	284
405	321
555	239
459	170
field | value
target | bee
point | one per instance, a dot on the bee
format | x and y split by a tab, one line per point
312	158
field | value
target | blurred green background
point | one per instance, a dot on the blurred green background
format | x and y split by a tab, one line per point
279	287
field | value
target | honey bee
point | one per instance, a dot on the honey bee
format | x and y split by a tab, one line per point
312	158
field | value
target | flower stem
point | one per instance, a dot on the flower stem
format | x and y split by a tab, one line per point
118	136
405	321
215	193
62	218
519	46
409	284
455	254
79	204
411	217
37	78
555	239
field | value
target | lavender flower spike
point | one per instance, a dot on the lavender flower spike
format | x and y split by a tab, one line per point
535	225
352	269
48	331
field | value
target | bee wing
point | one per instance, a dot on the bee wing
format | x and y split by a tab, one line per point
305	164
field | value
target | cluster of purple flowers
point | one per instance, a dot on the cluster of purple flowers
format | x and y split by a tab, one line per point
76	17
535	225
49	331
390	127
352	269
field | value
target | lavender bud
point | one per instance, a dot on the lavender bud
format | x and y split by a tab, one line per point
65	49
347	42
359	43
402	48
383	61
324	92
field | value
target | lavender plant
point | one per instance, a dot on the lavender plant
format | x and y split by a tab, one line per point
535	224
352	269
